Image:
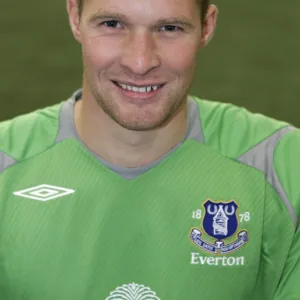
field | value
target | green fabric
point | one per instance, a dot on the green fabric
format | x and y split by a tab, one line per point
287	164
278	233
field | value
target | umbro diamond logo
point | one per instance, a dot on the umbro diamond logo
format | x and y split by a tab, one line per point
44	192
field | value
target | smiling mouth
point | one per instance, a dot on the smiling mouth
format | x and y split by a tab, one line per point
138	89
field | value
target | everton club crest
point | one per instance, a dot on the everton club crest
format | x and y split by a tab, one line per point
220	222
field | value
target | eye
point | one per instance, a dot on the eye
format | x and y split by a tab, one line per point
111	24
171	28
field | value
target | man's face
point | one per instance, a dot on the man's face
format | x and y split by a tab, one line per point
140	57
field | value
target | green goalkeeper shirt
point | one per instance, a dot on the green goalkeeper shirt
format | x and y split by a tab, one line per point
215	218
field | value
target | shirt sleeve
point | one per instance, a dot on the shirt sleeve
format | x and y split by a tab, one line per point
287	167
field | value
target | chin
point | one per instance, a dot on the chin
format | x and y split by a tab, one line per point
141	125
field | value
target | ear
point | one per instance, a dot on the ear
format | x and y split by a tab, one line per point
74	19
209	25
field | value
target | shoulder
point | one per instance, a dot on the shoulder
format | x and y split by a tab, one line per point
233	130
27	135
286	161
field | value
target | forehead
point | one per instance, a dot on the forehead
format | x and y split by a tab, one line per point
145	9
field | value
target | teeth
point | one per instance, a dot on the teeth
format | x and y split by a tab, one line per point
142	90
137	89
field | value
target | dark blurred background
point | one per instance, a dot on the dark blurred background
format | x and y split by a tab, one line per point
252	60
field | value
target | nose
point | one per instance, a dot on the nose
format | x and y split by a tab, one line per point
140	53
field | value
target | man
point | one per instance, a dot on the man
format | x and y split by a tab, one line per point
132	189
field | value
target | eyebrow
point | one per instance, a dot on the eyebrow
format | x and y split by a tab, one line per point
103	15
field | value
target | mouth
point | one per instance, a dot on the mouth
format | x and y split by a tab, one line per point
135	91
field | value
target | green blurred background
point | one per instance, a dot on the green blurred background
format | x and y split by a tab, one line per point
252	60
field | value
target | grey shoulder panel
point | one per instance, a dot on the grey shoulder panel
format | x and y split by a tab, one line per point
260	157
194	130
65	122
66	119
6	161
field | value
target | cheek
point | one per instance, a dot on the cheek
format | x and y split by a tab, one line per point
180	58
97	53
181	63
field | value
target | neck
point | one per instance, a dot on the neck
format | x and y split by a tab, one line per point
123	147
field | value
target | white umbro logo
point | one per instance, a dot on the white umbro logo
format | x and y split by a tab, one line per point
44	192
